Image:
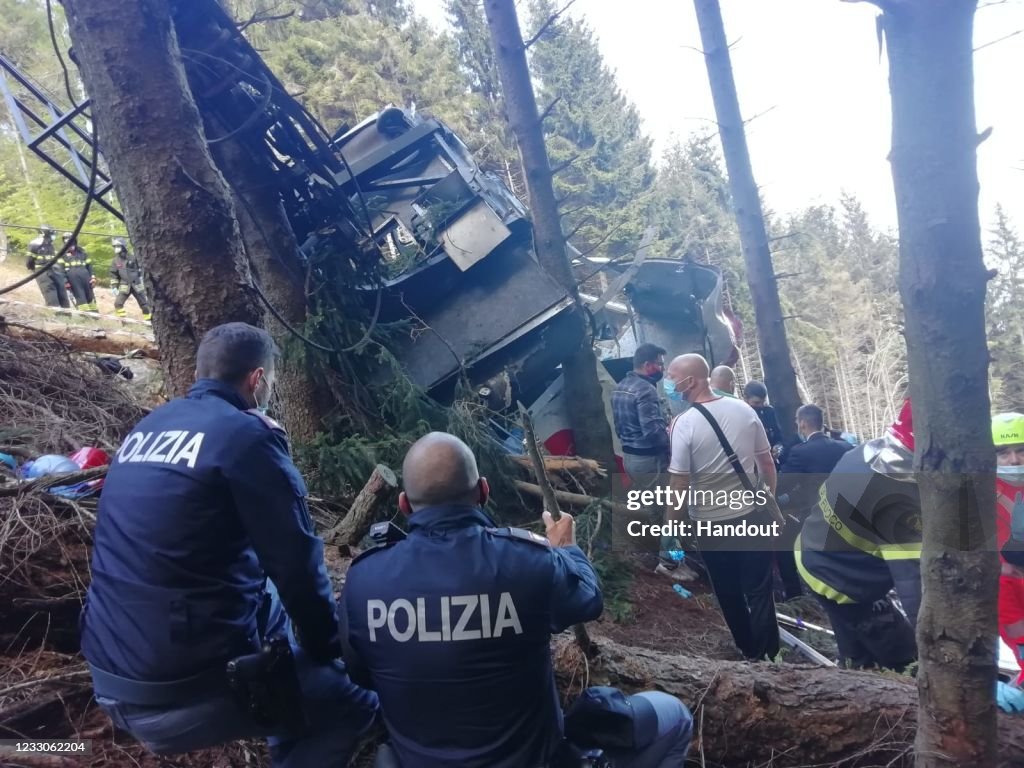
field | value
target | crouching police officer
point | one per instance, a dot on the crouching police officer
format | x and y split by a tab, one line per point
452	627
203	542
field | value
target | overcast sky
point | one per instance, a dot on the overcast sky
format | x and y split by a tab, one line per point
815	64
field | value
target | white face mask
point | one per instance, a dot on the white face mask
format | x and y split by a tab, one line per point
262	407
1013	475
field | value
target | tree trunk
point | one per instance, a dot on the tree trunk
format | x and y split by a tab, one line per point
363	512
779	376
781	715
273	255
178	208
587	414
943	282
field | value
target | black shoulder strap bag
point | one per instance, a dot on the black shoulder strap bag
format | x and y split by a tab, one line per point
770	505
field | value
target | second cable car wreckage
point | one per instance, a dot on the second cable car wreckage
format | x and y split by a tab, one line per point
455	244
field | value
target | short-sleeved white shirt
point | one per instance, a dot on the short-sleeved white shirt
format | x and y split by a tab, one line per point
697	451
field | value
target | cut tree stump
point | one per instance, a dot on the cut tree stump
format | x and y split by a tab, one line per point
779	714
363	512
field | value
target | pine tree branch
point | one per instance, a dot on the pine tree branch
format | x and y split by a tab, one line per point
261	17
578	227
547	110
998	40
547	24
562	166
759	114
603	240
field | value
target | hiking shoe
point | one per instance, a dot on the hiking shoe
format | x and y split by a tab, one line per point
681	572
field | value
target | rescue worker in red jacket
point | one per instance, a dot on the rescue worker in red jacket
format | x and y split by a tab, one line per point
1008	437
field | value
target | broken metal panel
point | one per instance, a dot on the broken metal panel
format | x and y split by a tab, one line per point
417	172
473	235
678	306
468	316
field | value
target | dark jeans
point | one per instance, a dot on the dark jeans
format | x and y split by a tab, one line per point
741	577
871	634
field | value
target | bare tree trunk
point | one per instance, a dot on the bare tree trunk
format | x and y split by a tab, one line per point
178	208
587	413
779	376
943	282
273	255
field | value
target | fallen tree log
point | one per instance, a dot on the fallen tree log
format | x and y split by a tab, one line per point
779	714
83	339
363	512
572	499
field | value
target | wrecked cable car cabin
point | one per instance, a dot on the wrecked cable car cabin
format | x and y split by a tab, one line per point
459	251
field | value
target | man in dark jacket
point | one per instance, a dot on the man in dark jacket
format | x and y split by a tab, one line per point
807	466
756	395
642	429
203	541
452	627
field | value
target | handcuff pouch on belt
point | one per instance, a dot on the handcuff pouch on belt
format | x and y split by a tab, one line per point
266	686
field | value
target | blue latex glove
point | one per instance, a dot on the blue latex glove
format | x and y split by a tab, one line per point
1009	699
681	591
1017	517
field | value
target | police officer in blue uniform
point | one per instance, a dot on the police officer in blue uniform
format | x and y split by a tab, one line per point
452	627
204	550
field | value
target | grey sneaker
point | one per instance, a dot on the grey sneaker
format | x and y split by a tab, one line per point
681	572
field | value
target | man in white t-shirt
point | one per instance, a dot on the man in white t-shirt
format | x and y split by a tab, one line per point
740	568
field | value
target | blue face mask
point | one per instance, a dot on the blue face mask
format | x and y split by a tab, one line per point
670	391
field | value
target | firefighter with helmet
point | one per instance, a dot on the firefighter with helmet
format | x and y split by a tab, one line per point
77	265
126	280
863	539
51	281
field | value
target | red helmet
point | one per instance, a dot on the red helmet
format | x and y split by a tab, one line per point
902	430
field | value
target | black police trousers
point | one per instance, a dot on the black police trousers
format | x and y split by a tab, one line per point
741	577
51	285
871	634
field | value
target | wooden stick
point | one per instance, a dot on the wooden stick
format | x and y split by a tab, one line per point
551	506
547	492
